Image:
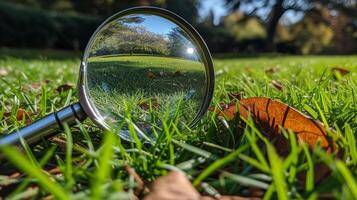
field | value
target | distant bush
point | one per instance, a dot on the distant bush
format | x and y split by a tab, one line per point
28	27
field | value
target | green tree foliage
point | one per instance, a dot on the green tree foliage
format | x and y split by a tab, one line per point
177	42
188	9
109	7
123	39
277	8
312	34
28	27
244	28
345	34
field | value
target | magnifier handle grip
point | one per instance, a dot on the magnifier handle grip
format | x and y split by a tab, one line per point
46	126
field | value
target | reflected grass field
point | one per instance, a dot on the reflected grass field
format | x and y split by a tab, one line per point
89	163
148	86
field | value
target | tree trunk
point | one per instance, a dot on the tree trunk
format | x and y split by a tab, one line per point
275	15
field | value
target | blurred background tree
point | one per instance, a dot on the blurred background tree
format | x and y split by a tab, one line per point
271	11
245	26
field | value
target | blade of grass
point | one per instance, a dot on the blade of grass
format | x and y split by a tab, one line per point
69	148
277	173
309	185
218	164
351	143
195	150
348	176
21	162
246	181
104	170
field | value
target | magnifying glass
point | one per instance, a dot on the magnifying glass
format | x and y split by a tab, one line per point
142	63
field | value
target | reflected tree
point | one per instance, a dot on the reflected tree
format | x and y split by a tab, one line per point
125	37
177	43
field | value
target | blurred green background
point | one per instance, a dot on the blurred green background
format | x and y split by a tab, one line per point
235	26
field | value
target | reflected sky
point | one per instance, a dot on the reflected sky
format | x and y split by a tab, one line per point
145	34
154	24
164	27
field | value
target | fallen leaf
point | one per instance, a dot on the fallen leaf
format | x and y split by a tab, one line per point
271	70
139	181
54	171
229	198
340	70
150	74
270	115
277	85
20	114
4	72
146	105
248	69
30	87
15	175
34	86
64	87
175	186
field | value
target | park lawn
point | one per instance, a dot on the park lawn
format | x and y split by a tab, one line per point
122	81
87	165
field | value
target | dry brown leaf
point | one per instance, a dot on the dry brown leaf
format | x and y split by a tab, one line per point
248	69
270	115
64	87
271	70
34	86
150	74
277	85
174	186
20	114
340	70
229	198
4	72
146	105
139	181
54	171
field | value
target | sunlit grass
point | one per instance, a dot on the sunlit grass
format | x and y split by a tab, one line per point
232	159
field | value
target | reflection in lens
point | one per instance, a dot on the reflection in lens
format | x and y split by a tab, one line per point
146	66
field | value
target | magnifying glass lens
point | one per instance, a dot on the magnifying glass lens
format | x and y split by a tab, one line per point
142	65
145	65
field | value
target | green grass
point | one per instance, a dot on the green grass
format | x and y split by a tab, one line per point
119	82
229	158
